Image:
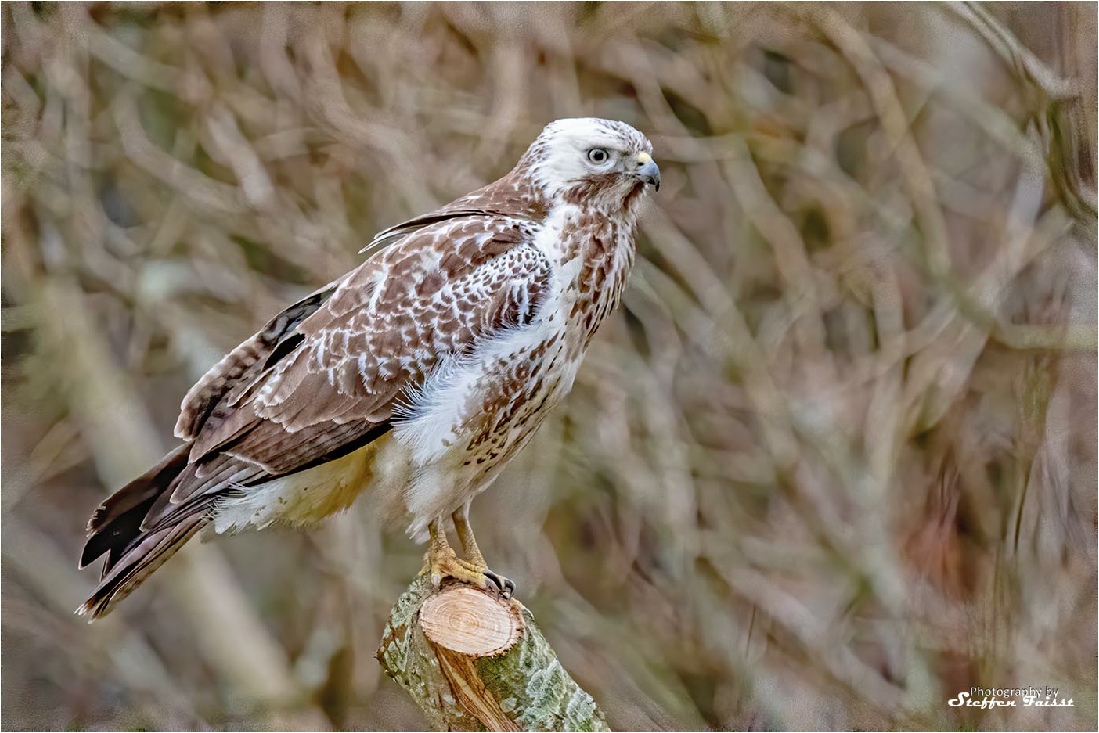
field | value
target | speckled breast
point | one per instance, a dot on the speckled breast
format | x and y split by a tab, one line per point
521	388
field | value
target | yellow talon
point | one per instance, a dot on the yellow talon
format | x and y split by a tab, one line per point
442	562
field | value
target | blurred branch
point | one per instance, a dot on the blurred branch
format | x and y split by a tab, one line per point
117	55
1050	95
1025	64
894	122
199	188
36	559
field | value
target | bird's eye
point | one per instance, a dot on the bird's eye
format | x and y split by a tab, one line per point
599	156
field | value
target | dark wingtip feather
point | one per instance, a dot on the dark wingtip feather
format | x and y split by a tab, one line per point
140	489
116	522
115	530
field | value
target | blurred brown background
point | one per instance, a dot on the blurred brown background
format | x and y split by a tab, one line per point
832	463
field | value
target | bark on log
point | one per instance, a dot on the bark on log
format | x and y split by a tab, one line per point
474	661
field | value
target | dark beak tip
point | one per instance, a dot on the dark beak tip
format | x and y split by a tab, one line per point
649	172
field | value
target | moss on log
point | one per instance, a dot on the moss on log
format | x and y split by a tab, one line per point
475	661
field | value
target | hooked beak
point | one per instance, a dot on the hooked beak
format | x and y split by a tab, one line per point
647	170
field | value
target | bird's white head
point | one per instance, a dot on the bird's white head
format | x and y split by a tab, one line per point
594	162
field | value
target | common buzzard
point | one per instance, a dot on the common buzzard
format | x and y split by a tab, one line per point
415	377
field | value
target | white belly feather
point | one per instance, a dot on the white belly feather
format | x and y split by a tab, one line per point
437	429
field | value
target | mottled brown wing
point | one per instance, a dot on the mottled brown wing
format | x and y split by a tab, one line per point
209	399
333	368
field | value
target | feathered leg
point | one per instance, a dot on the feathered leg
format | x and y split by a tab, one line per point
466	538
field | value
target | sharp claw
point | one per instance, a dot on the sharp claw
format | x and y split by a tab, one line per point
505	585
444	564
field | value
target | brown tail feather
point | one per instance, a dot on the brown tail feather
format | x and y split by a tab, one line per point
138	561
134	553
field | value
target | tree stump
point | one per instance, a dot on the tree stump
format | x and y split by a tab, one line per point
474	661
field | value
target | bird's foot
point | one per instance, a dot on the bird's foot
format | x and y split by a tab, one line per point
445	563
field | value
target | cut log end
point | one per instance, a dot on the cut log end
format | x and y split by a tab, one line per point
474	661
471	622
